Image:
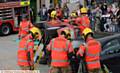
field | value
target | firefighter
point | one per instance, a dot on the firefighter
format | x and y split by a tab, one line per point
83	21
73	17
54	22
74	26
25	51
61	49
24	27
90	50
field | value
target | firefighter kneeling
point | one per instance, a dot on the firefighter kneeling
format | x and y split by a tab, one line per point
90	51
60	48
25	51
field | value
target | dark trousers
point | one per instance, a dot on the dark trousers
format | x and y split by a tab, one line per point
60	69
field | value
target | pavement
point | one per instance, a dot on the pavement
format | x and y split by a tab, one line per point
8	54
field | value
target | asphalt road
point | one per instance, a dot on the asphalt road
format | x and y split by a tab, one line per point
8	54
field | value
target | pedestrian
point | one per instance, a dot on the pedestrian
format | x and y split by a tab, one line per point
25	26
61	50
54	22
43	13
104	8
25	52
59	12
66	11
90	51
32	18
108	25
98	14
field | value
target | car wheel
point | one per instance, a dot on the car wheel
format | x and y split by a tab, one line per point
5	29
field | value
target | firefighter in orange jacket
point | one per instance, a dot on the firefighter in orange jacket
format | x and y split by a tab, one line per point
59	48
24	27
25	50
54	22
91	51
83	21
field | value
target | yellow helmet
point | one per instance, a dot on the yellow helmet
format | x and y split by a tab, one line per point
83	10
73	14
65	31
53	14
86	32
35	32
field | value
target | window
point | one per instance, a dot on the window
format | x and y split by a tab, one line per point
112	47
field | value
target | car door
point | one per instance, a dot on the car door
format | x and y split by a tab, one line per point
110	55
111	49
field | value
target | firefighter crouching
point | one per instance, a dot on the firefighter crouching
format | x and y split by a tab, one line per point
25	50
24	27
60	49
90	51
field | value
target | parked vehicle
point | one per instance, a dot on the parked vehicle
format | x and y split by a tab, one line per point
10	15
110	55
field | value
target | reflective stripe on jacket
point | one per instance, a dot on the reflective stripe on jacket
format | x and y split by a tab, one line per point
26	45
60	47
24	28
92	53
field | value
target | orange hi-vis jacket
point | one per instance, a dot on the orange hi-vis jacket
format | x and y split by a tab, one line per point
83	22
24	28
78	21
92	53
59	47
26	45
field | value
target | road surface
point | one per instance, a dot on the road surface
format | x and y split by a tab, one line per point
8	54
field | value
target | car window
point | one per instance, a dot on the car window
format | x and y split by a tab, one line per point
111	47
111	43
